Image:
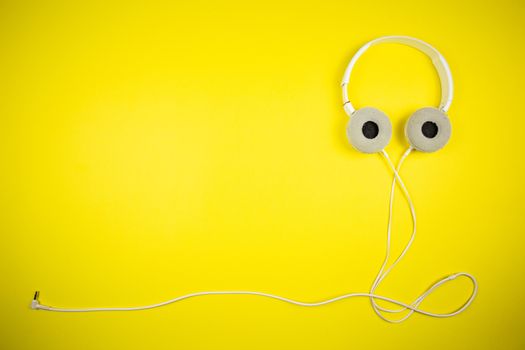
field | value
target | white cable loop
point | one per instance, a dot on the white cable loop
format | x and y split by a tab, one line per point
382	275
412	307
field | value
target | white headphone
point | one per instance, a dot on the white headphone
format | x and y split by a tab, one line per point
427	130
369	130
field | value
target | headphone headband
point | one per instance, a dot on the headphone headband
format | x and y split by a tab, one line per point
439	62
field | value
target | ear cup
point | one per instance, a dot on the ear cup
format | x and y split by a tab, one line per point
428	129
369	130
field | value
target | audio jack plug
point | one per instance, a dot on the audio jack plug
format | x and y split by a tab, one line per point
35	304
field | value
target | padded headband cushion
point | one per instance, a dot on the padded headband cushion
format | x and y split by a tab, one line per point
428	129
369	130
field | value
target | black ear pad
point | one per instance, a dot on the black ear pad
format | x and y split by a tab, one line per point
369	130
428	129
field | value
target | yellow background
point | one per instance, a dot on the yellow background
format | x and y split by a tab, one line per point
154	149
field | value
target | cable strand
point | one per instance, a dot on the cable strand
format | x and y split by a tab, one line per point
381	275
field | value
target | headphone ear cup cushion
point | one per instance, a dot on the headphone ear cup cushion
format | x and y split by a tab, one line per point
369	130
428	129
